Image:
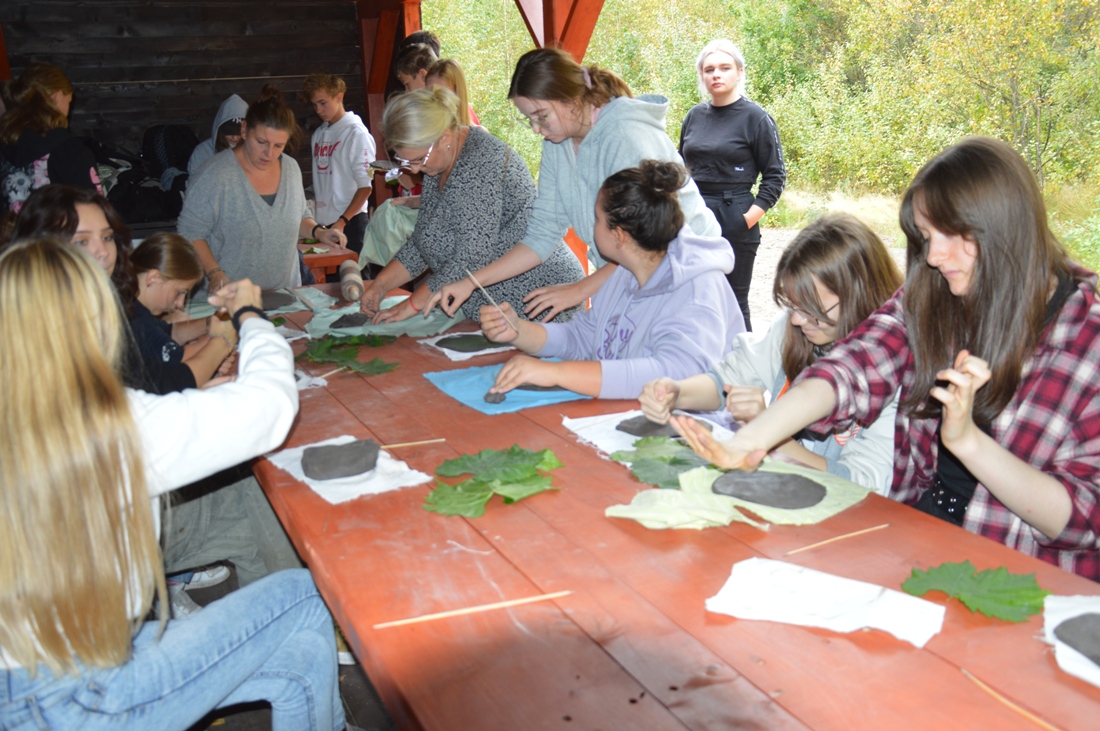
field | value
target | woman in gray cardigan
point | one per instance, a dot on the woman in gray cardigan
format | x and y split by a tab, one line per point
477	198
246	211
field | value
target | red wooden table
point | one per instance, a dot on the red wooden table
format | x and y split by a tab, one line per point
328	262
632	647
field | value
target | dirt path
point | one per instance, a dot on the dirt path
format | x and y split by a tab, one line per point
773	242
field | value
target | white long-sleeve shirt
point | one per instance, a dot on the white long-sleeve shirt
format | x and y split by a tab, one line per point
342	154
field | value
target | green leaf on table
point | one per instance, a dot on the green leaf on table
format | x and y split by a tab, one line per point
278	321
660	461
993	592
513	491
512	473
466	498
344	352
373	368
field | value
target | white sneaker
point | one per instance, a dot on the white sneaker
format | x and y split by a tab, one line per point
205	576
181	603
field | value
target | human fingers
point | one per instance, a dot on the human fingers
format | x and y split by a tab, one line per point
744	403
702	442
433	301
512	374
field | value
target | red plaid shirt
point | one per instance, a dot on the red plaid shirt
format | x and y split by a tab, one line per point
1052	423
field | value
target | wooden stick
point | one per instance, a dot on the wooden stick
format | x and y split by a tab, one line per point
332	372
837	538
490	298
1023	712
301	298
412	444
473	610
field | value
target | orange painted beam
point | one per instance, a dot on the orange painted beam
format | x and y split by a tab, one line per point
564	24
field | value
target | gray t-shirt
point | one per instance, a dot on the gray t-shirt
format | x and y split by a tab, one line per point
248	237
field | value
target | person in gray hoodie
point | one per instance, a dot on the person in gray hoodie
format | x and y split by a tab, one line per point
593	127
224	134
666	309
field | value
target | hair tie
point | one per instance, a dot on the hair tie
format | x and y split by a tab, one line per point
587	77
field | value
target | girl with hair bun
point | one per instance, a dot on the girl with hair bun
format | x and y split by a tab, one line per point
36	148
665	310
831	277
593	127
993	343
246	212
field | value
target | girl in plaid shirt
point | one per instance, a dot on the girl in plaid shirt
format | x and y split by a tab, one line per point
993	342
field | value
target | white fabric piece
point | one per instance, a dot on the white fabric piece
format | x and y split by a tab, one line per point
600	431
456	356
306	381
388	474
776	591
1057	609
291	334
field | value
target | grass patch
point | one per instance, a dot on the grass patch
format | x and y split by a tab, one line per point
1074	212
797	208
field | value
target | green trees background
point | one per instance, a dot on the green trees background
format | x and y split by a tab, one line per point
863	91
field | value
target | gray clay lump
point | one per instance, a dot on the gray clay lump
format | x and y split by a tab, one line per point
776	490
275	300
495	398
470	343
334	461
1082	633
639	426
354	319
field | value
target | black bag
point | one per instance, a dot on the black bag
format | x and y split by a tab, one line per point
139	199
167	146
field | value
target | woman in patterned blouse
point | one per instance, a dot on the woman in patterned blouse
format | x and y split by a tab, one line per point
477	197
994	342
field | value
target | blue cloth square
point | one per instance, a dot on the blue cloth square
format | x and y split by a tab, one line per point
468	386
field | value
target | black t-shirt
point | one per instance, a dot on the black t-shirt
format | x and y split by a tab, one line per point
160	354
728	147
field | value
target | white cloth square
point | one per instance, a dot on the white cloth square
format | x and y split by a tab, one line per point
600	431
776	591
388	474
1057	609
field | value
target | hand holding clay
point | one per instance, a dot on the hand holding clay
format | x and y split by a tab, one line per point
371	300
658	399
523	370
235	295
403	310
744	402
495	323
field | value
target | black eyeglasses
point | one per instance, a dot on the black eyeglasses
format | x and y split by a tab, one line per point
810	317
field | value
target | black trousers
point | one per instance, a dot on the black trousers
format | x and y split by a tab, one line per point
729	208
355	230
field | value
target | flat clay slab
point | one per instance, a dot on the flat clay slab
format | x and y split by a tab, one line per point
1082	633
275	300
334	461
639	426
533	387
467	343
791	492
354	319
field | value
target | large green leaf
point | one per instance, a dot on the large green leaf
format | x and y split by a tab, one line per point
513	491
466	498
514	463
660	461
993	592
511	473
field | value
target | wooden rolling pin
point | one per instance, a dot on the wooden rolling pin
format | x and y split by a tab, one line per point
351	280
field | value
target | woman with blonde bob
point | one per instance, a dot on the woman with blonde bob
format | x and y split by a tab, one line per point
81	471
994	342
475	206
592	127
831	277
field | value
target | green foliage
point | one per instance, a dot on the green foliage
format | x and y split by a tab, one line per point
343	352
512	473
660	461
993	592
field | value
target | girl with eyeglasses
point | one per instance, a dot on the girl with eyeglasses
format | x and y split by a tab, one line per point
592	127
993	342
834	274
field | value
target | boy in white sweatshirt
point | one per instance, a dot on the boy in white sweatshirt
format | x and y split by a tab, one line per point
343	150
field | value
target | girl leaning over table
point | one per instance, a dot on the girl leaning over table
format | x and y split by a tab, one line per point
83	467
246	212
665	309
994	342
592	127
831	277
727	143
475	205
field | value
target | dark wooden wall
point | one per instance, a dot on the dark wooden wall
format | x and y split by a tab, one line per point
136	63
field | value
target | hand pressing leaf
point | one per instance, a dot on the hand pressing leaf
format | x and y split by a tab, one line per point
993	592
660	461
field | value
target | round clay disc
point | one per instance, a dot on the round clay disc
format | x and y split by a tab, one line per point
355	319
470	343
774	489
334	461
1082	633
493	397
275	300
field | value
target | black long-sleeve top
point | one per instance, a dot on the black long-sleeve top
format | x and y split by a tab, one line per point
727	147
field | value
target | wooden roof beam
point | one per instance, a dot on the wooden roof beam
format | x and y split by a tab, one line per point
566	24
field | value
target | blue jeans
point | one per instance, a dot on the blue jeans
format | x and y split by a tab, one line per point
270	641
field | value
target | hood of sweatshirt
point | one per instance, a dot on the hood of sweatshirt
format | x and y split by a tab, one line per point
689	255
232	108
648	109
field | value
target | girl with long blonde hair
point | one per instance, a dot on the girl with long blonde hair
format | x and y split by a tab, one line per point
82	467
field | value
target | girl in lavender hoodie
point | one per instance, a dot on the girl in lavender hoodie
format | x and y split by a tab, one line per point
667	308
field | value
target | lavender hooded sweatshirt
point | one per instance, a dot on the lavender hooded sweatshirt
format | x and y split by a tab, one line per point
679	324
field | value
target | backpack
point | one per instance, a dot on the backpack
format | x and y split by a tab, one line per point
166	146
